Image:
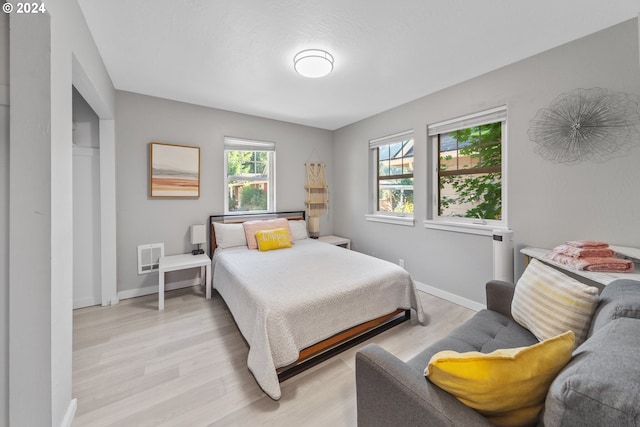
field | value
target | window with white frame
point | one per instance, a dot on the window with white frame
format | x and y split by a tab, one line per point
393	174
249	170
468	178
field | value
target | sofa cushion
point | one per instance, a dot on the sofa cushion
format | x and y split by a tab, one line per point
549	303
508	386
601	385
620	298
485	332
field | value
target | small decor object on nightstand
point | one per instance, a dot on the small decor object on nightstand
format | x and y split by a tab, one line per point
197	238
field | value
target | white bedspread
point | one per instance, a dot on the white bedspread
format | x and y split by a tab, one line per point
288	299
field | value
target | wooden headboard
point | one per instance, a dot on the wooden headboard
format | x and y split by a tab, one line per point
240	218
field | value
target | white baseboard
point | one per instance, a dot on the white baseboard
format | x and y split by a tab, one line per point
85	302
148	290
457	299
70	414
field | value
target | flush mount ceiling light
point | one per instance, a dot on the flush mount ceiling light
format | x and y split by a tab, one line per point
313	63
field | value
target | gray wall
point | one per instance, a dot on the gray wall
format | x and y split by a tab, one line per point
43	50
140	220
4	219
547	203
86	132
30	213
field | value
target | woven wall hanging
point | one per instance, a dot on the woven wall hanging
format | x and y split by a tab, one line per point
317	196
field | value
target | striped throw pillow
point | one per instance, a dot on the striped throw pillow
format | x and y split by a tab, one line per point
549	303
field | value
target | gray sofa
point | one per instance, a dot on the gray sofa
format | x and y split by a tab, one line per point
599	387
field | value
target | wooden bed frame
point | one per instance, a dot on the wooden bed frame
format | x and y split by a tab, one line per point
323	350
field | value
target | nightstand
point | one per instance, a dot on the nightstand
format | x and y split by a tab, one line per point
182	262
336	240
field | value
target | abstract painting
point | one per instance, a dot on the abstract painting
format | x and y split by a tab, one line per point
174	170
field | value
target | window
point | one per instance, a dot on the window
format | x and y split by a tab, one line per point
393	174
469	176
249	175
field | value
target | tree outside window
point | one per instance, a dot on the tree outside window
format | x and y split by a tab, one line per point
470	172
248	180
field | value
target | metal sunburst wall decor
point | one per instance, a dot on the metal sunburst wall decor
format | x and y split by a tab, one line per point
586	124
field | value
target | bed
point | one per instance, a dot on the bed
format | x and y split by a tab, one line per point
298	306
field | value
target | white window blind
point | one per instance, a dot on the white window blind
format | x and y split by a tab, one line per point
238	144
489	116
390	139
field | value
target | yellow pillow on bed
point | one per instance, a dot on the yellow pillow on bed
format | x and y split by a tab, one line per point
273	239
252	227
507	386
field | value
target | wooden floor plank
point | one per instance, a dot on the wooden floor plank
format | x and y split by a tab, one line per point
136	366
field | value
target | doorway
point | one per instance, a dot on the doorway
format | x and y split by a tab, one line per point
87	261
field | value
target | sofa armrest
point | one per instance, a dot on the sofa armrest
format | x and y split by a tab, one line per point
499	296
390	393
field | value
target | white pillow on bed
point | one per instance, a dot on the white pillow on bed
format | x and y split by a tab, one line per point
298	229
229	235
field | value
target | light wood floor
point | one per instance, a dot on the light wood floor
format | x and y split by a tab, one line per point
136	366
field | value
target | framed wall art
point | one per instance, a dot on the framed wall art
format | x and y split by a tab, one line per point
174	171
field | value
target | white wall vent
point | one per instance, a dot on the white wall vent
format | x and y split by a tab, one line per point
149	257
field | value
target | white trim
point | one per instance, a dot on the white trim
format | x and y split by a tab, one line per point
456	299
390	139
391	219
108	242
492	115
462	227
468	225
86	302
271	165
373	145
149	290
107	142
86	87
70	414
242	144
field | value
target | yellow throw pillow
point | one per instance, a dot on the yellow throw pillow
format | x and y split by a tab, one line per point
252	227
507	386
273	239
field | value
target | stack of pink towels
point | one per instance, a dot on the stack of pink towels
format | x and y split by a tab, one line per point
589	255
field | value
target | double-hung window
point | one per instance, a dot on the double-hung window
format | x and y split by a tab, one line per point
249	170
392	165
468	174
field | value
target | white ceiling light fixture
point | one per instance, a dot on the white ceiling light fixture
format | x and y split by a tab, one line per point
313	63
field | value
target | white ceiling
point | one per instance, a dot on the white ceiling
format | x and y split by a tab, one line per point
237	55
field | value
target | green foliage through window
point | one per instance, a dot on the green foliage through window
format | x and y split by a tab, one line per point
470	172
248	180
